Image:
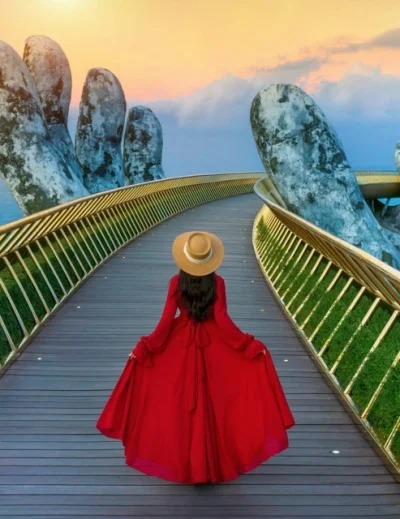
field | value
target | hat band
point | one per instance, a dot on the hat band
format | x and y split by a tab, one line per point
193	260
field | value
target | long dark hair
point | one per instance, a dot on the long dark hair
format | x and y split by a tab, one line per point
198	294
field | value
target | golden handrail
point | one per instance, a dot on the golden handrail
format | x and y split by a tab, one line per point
297	258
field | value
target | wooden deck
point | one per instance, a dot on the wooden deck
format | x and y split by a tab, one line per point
54	463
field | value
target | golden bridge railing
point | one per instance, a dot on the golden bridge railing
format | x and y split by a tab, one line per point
345	304
46	256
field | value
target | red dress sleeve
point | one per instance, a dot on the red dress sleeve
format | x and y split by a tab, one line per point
155	341
230	333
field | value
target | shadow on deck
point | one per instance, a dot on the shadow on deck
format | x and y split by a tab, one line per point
54	462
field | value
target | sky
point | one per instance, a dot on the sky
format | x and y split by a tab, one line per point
199	64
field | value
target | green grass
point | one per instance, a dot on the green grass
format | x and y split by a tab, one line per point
349	324
337	311
375	368
327	299
386	409
318	292
298	281
308	287
361	345
396	445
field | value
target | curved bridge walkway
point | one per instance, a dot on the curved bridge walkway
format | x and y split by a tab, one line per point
54	463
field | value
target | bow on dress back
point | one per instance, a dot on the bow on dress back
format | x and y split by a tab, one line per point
199	402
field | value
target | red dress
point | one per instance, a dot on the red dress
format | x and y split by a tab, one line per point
201	403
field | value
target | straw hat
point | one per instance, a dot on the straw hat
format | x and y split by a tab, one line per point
198	252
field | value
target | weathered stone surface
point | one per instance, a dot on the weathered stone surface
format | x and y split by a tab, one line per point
51	72
99	131
397	156
307	163
31	165
391	222
143	142
391	231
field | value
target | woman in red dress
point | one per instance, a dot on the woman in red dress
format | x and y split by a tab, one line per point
199	401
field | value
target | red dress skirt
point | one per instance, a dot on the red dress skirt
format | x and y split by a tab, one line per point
202	402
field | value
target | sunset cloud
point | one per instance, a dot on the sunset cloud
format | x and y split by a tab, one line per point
389	39
288	70
363	91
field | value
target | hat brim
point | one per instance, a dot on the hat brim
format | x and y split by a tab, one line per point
197	269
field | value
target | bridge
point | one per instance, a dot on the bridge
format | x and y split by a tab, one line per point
72	281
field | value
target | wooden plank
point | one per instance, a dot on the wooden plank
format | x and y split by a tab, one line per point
195	516
115	452
272	471
94	441
53	461
137	479
302	417
385	493
188	509
33	429
326	461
